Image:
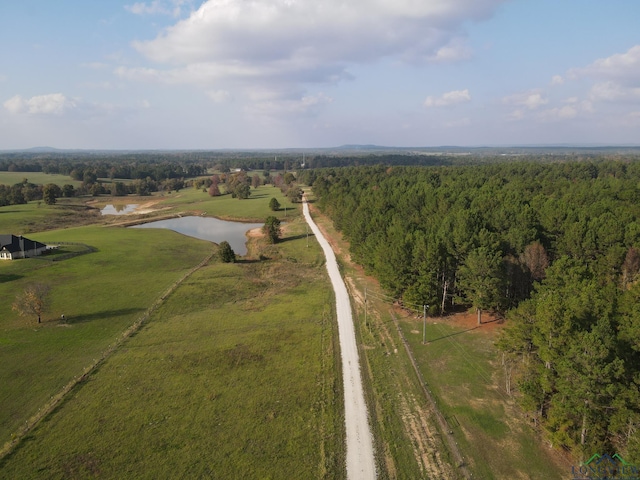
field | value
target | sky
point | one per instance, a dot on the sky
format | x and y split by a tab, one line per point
245	74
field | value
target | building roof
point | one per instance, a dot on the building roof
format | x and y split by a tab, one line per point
13	243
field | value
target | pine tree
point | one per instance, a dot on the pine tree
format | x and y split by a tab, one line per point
226	253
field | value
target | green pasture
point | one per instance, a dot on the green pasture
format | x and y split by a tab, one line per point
100	293
254	208
38	178
37	216
461	368
236	375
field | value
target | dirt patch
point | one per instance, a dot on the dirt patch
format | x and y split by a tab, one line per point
255	233
148	207
424	439
145	206
491	323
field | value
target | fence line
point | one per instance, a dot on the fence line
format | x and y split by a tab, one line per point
56	399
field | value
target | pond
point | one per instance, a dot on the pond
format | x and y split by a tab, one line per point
119	209
207	228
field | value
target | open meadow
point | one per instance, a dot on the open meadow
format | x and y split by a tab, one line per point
234	374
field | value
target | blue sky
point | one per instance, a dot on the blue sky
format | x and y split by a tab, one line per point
187	74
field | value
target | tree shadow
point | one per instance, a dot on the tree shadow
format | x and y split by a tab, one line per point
9	278
295	237
248	260
454	334
88	317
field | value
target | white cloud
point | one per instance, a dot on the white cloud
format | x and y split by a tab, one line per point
557	80
614	92
262	31
15	104
447	99
559	113
455	51
51	104
532	99
269	105
621	67
219	96
288	45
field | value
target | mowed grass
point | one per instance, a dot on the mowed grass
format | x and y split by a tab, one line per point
37	216
235	376
38	178
100	293
461	368
254	208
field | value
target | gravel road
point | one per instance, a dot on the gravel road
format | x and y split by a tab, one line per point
360	457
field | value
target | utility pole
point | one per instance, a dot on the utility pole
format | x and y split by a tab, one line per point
365	306
424	324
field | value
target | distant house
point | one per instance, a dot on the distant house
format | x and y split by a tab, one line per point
12	247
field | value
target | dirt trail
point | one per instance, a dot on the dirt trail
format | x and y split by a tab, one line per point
360	457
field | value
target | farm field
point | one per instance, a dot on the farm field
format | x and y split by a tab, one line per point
38	178
235	372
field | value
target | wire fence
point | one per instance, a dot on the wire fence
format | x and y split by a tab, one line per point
65	256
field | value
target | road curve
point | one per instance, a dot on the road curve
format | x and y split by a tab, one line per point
360	458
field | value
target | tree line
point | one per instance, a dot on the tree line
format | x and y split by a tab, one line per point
555	247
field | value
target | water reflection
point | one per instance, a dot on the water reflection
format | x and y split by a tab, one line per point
211	229
119	209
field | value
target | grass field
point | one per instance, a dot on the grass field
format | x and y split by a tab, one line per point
254	208
100	293
38	216
460	365
38	178
235	375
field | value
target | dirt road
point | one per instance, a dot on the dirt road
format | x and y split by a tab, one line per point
360	457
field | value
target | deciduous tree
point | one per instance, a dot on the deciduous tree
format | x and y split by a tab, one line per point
34	300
